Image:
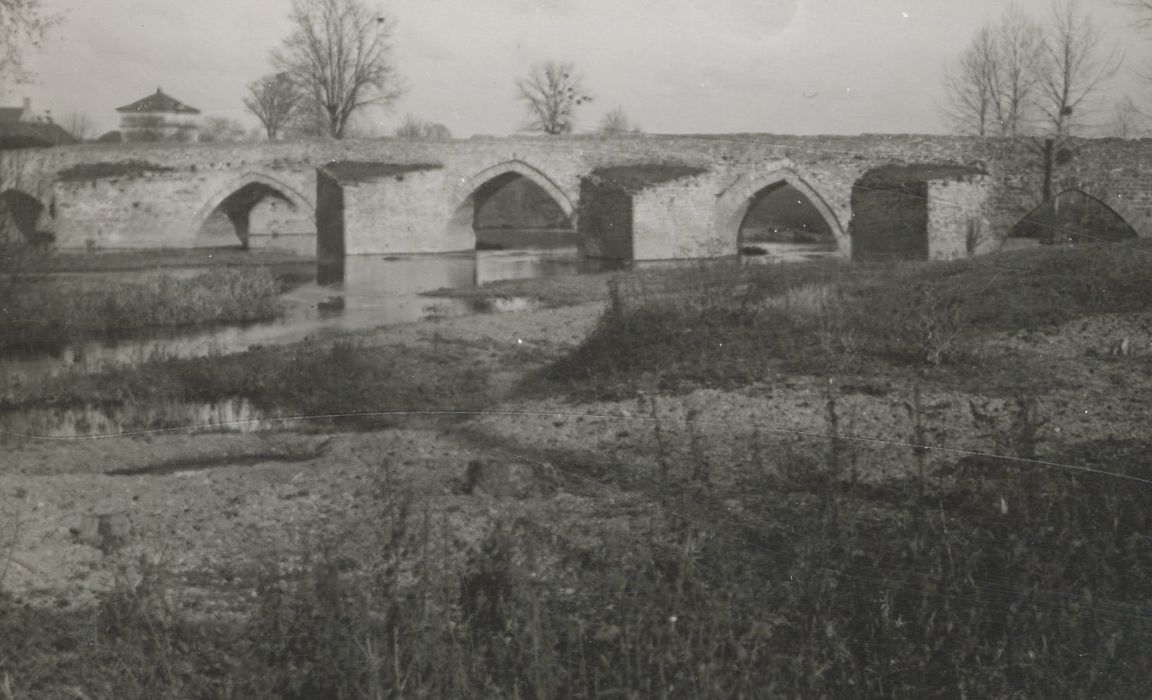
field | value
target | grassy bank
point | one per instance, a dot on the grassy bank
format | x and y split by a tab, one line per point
109	260
55	310
343	377
591	285
729	324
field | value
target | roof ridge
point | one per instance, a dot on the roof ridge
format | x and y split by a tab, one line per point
159	101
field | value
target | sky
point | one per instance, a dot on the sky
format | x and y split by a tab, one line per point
674	66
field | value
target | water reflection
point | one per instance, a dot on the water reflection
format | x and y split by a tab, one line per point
232	415
356	293
770	252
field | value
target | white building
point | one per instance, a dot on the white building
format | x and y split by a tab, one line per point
159	117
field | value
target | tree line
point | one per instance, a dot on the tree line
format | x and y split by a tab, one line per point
337	62
1040	81
1028	76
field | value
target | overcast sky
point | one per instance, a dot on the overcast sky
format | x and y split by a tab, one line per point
675	66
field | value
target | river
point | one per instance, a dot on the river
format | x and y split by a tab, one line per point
363	292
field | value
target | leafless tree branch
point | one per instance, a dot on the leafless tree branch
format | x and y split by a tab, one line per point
339	59
551	93
24	24
274	100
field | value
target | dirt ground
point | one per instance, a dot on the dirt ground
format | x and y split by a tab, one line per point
211	507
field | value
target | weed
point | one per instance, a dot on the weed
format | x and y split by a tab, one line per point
51	312
725	326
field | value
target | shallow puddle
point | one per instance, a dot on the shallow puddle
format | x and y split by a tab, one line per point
232	415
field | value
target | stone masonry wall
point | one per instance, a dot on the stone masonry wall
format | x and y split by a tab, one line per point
890	222
330	233
163	208
677	220
957	222
604	222
400	214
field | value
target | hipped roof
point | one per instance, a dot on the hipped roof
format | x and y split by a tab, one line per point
159	102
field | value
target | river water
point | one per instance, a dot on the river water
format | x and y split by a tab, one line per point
363	292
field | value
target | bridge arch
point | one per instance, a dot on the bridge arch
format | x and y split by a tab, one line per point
471	193
735	203
1073	216
237	200
22	216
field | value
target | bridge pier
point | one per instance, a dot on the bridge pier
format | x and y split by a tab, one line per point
651	211
376	208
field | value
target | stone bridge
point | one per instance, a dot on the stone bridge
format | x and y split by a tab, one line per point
642	197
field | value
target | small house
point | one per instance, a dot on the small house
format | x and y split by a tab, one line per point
159	117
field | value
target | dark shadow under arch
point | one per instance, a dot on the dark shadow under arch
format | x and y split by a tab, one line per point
508	197
231	208
736	203
20	215
1073	216
781	215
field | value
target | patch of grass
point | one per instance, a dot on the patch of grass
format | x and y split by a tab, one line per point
56	310
344	377
83	172
726	324
551	292
104	260
366	171
635	178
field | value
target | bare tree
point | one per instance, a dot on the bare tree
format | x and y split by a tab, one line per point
992	85
308	122
1143	9
414	128
551	93
616	123
1019	39
971	85
274	100
222	130
1076	63
79	125
23	25
1128	121
338	56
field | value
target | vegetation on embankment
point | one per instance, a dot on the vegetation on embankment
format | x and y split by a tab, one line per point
592	284
116	260
317	380
732	324
52	310
134	168
549	292
802	585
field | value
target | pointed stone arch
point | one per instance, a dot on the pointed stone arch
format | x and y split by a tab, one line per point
734	202
464	197
253	182
1073	216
